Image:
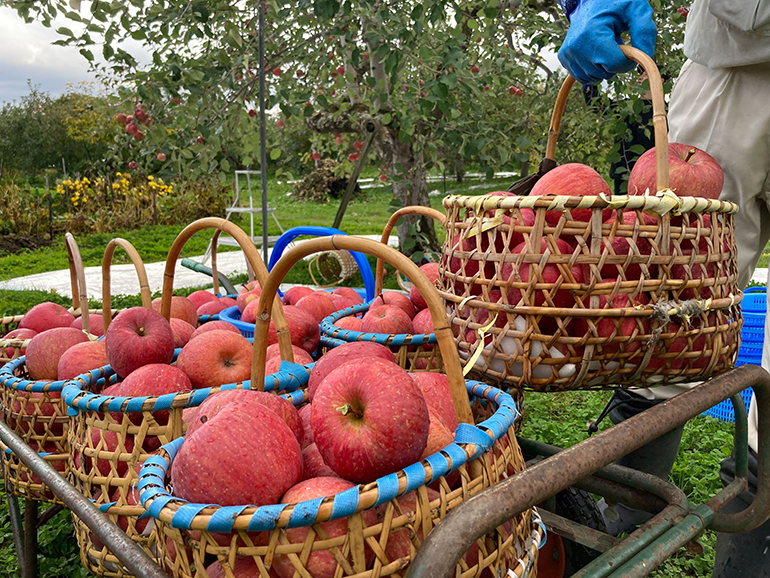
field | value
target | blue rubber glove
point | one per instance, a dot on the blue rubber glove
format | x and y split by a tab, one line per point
590	51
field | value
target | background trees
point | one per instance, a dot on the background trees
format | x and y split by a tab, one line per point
447	82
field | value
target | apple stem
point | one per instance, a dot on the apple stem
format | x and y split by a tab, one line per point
689	154
344	409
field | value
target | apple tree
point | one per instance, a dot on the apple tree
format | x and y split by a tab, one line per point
456	82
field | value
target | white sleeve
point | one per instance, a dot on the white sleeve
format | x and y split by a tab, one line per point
746	15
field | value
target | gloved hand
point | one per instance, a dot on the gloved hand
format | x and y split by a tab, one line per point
590	51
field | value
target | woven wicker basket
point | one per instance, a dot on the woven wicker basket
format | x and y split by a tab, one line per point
189	546
35	410
567	310
413	352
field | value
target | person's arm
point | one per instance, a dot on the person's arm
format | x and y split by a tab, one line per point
590	51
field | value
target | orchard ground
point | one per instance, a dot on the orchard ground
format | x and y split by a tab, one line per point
558	419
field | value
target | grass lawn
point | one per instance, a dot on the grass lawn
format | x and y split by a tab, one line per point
559	419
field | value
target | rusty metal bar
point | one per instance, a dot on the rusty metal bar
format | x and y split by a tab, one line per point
128	552
594	539
49	513
29	570
16	525
492	507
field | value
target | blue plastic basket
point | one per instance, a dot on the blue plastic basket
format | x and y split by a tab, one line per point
754	309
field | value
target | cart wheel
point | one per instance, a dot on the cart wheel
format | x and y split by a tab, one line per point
580	507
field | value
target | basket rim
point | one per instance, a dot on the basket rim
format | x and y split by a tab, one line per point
661	203
330	330
11	381
471	441
289	379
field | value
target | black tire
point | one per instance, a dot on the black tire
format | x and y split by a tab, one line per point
580	507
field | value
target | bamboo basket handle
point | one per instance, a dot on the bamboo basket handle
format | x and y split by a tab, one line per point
77	280
214	273
252	258
413	210
659	124
444	335
141	273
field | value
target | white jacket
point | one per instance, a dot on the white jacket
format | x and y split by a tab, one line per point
728	33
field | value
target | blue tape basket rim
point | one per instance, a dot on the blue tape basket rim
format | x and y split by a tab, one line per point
11	381
330	330
162	505
289	379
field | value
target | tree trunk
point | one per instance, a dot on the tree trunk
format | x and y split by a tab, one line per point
410	186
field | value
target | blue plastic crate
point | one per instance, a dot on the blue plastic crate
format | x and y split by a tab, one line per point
754	309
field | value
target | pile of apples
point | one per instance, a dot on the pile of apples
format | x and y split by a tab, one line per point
692	173
366	418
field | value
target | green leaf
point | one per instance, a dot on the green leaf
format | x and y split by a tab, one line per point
386	118
64	31
247	161
87	54
234	39
472	24
275	154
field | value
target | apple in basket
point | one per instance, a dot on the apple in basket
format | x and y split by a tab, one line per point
400	542
307	428
396	299
244	567
349	293
214	326
431	272
438	396
625	245
182	332
44	316
45	350
617	327
314	465
351	323
96	324
572	180
216	358
342	354
294	294
303	329
550	274
43	411
246	297
692	173
201	296
136	337
181	308
321	563
273	360
153	380
387	319
369	419
343	302
279	405
21	335
212	308
318	304
81	358
214	466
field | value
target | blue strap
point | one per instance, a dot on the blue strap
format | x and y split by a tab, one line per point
223	519
415	476
345	503
185	515
266	517
387	488
304	513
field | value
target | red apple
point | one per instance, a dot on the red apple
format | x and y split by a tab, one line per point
214	466
244	567
250	311
153	380
314	465
216	358
273	365
294	294
369	419
697	272
277	71
161	157
138	135
320	563
572	179
136	337
200	297
387	319
349	293
304	414
383	178
400	542
132	165
106	441
431	272
252	113
622	245
303	329
43	411
692	173
44	316
394	298
132	499
438	396
550	274
20	334
342	354
120	118
319	305
280	123
132	129
350	322
316	156
423	324
45	350
214	326
181	308
95	321
80	358
439	435
211	308
246	297
341	302
182	332
616	326
229	301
